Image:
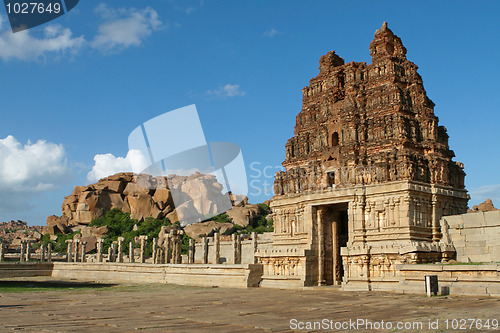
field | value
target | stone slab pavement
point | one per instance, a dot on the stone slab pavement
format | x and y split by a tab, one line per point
169	308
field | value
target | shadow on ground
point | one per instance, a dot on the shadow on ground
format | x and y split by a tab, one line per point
13	285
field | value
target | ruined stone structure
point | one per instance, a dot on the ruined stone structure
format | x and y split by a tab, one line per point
368	175
370	190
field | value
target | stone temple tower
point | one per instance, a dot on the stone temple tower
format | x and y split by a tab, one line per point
369	174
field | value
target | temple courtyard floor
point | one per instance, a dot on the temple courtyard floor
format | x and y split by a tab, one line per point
45	305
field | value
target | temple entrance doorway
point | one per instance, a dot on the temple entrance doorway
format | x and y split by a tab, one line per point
333	234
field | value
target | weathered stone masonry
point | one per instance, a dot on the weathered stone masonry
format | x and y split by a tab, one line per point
368	175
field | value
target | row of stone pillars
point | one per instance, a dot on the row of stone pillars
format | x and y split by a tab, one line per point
169	252
115	251
236	247
75	246
166	253
26	251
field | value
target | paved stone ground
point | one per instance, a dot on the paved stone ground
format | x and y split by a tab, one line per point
167	308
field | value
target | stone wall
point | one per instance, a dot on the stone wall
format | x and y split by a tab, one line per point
231	276
476	236
452	279
17	269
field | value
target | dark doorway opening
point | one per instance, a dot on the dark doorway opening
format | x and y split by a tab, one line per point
335	139
331	178
335	235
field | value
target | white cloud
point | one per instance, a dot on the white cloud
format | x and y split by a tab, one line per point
26	170
271	33
56	40
229	90
107	164
121	29
124	28
480	194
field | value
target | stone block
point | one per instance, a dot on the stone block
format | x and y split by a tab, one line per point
468	289
457	237
475	250
473	220
473	231
476	243
459	244
475	258
493	289
475	237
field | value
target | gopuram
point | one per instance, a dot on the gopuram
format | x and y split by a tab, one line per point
369	174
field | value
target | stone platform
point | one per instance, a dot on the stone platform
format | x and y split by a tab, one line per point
23	269
483	280
453	280
170	308
207	275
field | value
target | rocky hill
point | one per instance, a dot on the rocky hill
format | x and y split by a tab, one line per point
150	197
143	196
13	231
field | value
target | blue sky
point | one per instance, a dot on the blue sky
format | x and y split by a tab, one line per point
76	87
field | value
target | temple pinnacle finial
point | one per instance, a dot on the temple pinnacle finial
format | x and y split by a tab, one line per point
382	29
386	43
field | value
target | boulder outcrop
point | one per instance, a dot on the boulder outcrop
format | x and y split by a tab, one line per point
142	196
486	206
243	215
208	229
13	232
145	196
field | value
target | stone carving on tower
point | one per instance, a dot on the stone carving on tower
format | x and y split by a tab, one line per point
368	172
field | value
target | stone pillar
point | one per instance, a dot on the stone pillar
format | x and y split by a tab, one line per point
336	251
159	255
176	242
113	247
155	248
120	249
435	223
21	257
28	248
204	246
2	253
173	240
131	251
217	248
233	239
357	217
100	242
110	254
191	250
236	248
49	252
42	252
178	245
69	250
84	245
173	244
168	248
254	246
321	247
75	257
143	248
